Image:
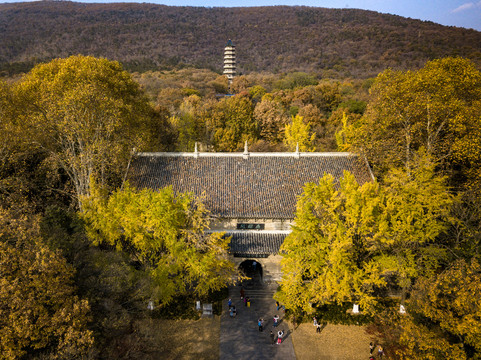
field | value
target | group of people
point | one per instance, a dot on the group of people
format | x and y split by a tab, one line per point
275	323
380	351
280	335
275	338
232	308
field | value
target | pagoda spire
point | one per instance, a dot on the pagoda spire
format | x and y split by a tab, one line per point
229	61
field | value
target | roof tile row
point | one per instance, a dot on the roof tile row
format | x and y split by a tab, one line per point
264	187
255	243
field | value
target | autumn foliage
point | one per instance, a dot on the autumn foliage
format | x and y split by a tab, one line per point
79	261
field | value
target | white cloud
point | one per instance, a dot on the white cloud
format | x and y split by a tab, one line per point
467	6
463	7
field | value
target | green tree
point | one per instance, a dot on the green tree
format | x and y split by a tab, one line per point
323	127
28	181
189	124
87	114
117	291
298	133
464	236
343	143
295	80
164	232
327	97
220	84
256	93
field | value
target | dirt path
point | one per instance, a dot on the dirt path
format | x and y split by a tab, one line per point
155	339
335	342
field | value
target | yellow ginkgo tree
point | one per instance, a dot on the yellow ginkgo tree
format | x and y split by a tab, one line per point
349	239
298	135
166	233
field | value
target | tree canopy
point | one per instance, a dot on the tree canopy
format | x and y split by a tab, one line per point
434	108
86	113
444	314
40	311
230	123
76	119
349	239
165	232
298	134
326	257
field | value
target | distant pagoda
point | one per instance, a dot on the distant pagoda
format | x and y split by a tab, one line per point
229	61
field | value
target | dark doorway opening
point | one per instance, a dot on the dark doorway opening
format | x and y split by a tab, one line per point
252	269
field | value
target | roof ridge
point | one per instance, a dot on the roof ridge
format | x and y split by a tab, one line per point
240	154
228	231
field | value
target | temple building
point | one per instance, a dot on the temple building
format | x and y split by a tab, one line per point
229	61
252	196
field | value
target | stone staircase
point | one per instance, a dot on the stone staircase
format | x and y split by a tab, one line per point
257	289
260	293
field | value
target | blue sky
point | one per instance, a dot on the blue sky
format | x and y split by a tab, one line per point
463	13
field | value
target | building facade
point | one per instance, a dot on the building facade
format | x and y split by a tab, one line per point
252	196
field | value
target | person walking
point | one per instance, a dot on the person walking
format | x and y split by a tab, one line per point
260	323
276	320
242	293
371	348
318	328
272	338
280	334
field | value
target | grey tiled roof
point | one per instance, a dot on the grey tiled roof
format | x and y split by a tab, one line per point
262	186
255	243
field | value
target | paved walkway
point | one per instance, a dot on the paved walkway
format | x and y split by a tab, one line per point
240	338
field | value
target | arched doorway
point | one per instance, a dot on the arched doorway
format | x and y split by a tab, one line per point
253	269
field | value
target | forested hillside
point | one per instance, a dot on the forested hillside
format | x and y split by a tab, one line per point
330	42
